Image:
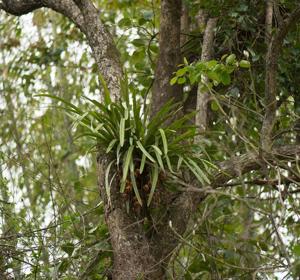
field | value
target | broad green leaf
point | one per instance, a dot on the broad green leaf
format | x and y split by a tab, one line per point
231	59
138	42
125	22
244	64
173	81
225	78
181	80
209	64
181	72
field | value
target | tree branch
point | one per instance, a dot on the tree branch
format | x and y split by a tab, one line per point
269	20
65	7
274	50
185	205
203	96
237	166
86	17
20	7
103	46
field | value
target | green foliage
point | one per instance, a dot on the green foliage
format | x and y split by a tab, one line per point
216	72
52	223
134	141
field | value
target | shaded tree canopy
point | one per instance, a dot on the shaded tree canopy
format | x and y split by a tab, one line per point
149	139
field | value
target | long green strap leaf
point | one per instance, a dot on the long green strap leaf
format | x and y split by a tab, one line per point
141	147
126	163
78	111
134	185
90	134
111	145
199	170
158	150
191	168
158	154
202	178
179	163
143	161
107	98
122	132
79	120
154	183
164	140
169	163
107	184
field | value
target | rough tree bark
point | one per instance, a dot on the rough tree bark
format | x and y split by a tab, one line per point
269	20
169	54
136	255
203	95
274	49
184	24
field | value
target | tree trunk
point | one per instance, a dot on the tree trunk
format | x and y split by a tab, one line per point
203	95
140	253
169	55
133	254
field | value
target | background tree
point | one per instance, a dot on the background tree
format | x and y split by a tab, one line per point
242	222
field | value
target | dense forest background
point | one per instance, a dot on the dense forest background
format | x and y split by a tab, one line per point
237	64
